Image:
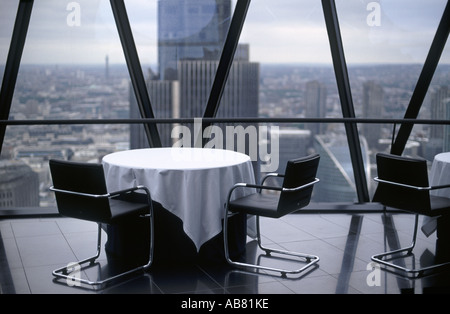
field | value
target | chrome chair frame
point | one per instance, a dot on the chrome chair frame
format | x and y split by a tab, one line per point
382	257
310	260
65	272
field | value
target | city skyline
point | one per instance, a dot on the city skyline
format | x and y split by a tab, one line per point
288	32
48	92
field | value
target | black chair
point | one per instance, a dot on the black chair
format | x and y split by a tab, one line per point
294	194
81	192
403	185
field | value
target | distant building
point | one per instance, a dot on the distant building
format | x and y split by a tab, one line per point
293	143
440	109
107	69
316	102
372	106
190	30
188	57
19	185
165	102
337	181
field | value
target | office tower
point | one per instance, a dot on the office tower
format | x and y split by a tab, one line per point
440	109
439	135
293	143
165	102
239	99
189	48
316	102
194	29
337	181
107	69
373	104
19	185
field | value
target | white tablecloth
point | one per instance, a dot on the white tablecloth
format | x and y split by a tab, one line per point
192	183
439	175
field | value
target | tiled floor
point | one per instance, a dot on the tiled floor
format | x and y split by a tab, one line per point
31	248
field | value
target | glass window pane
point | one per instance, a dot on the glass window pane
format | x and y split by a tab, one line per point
180	43
73	67
8	10
386	44
436	138
289	39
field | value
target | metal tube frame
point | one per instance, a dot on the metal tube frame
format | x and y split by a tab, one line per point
399	253
309	259
381	258
64	273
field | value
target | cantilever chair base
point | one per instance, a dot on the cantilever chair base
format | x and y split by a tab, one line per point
294	194
403	184
81	193
383	259
72	272
306	260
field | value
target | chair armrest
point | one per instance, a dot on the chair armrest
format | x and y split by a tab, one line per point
52	188
274	188
419	188
437	187
257	186
301	187
129	190
112	194
273	174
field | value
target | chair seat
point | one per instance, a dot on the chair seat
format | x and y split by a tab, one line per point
119	209
257	204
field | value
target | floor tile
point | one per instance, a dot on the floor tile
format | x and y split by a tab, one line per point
30	249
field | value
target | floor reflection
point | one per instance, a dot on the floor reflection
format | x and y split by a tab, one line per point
31	248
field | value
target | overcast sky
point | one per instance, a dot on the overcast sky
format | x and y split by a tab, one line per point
278	31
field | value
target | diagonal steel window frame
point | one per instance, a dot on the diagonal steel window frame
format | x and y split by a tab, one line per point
20	33
135	70
226	61
423	83
12	66
345	95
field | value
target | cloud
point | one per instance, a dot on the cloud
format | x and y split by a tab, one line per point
277	31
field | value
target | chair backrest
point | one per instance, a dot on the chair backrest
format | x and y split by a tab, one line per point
82	178
404	170
298	172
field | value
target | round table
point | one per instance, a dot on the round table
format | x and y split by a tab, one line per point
191	183
439	175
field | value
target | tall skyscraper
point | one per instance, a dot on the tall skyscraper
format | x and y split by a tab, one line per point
316	102
107	68
293	143
240	97
19	184
440	109
373	104
191	35
194	29
440	97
